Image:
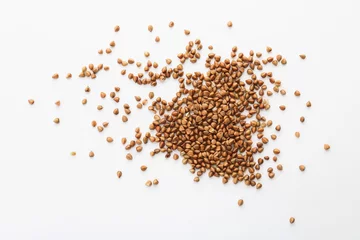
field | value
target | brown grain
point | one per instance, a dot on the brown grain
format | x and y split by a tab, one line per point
129	156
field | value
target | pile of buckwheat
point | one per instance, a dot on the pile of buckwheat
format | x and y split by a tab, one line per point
214	121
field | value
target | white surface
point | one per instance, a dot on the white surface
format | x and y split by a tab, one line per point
47	194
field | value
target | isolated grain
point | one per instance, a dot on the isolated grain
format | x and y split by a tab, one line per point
148	183
302	119
31	101
297	134
84	101
282	92
109	139
157	39
112	44
229	24
100	107
69	75
302	56
196	179
168	61
91	154
139	148
156	182
276	151
282	107
116	28
106	68
143	168
137	98
240	202
116	111
123	140
176	157
271	175
302	168
326	146
151	95
187	32
87	89
108	50
123	72
102	95
129	156
100	128
258	185
55	76
297	93
93	123
139	106
171	24
73	153
283	61
292	220
150	28
268	49
56	120
308	104
146	54
117	89
100	51
279	167
124	118
210	47
105	124
57	103
278	128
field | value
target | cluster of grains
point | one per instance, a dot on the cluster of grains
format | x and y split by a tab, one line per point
213	123
215	119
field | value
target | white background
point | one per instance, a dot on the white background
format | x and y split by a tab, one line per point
47	194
